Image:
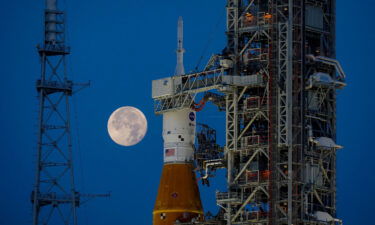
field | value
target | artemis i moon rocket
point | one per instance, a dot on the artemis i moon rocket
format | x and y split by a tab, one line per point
178	195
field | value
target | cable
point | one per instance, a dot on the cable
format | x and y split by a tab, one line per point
75	108
209	41
79	154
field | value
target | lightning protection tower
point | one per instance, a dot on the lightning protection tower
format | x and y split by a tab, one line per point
54	197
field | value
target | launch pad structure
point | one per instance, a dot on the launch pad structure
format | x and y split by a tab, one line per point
276	80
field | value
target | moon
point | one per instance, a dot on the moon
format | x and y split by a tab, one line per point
127	126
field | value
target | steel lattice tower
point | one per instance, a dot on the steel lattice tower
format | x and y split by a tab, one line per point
281	134
54	197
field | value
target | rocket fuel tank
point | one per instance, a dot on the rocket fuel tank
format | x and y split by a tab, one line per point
178	195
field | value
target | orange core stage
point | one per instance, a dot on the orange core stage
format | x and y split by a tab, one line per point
178	196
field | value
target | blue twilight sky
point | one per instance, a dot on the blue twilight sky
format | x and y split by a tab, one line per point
122	45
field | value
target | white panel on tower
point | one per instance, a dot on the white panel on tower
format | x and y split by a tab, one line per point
162	87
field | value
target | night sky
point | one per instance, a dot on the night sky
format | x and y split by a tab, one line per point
121	46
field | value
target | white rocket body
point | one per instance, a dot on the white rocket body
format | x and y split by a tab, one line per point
179	126
179	136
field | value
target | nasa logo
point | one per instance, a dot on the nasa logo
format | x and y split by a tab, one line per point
192	116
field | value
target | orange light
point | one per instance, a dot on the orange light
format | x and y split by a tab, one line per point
249	17
267	16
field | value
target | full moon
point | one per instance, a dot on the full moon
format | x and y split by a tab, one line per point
127	126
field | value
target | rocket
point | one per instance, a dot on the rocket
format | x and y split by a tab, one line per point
178	198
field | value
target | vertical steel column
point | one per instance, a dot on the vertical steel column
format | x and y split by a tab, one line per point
289	95
231	99
231	142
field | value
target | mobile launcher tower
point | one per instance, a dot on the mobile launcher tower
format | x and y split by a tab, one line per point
276	80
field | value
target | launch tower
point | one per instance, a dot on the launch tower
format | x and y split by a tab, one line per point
276	80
